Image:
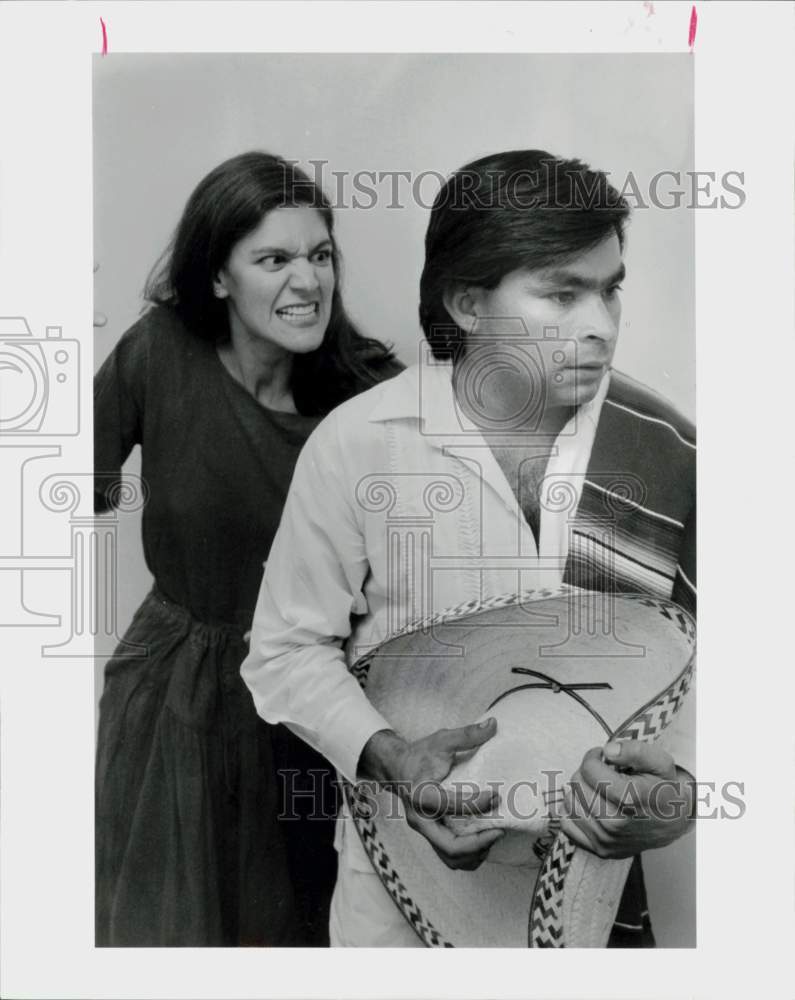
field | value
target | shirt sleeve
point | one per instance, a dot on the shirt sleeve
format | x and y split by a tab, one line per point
316	568
118	412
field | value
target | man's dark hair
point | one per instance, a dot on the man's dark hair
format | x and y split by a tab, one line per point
520	209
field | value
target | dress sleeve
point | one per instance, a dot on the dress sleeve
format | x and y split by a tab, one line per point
316	568
119	389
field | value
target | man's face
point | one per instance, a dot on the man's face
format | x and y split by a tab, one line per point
571	313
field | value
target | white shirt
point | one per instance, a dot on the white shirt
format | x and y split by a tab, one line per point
397	509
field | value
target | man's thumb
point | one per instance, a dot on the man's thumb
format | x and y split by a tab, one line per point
469	737
637	755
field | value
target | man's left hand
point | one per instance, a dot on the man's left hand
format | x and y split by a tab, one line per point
627	798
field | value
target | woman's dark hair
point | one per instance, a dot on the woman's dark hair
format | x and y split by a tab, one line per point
525	208
227	205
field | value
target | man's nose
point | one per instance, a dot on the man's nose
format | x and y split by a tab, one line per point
303	274
597	320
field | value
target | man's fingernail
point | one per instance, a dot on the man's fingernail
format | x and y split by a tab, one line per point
613	749
486	723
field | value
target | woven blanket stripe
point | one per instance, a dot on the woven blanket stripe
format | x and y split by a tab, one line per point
625	541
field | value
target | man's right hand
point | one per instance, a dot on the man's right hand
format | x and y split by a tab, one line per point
415	770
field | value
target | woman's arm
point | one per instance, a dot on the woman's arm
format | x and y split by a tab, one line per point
119	393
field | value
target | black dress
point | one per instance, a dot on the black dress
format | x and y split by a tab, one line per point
198	842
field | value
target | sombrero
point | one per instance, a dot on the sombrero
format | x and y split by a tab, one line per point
562	671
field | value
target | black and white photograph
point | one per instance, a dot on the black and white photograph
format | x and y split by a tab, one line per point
453	304
371	563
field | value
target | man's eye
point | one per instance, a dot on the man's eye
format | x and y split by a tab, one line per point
272	261
563	298
613	291
321	257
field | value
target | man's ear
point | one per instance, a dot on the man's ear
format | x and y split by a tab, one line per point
461	302
220	290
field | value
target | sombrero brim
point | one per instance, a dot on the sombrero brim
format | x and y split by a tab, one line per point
447	671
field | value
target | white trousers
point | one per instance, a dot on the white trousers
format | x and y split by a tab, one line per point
363	914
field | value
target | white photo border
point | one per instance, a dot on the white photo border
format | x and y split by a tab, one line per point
745	367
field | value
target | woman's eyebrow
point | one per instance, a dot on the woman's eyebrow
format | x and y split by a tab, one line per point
269	250
288	253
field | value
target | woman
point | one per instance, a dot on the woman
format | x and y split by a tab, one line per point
246	348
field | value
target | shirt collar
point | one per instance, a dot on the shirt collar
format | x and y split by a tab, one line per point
424	392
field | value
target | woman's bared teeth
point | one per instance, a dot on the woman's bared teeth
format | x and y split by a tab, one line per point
306	310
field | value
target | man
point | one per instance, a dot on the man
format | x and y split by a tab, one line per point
511	458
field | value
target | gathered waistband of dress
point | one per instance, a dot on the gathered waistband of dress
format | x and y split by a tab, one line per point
178	612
